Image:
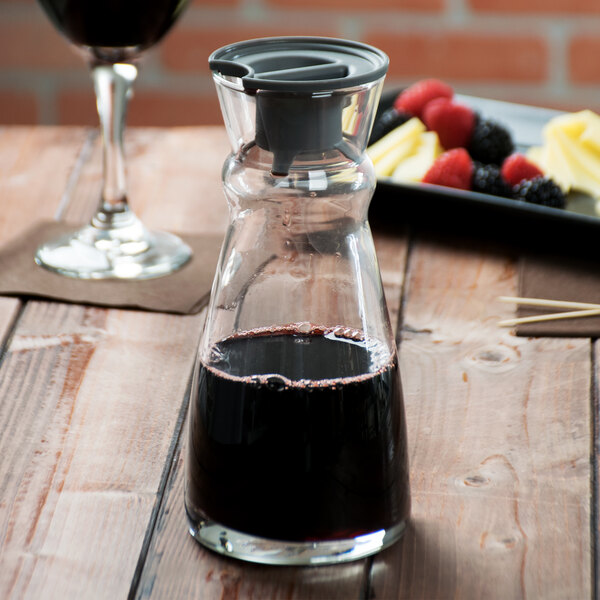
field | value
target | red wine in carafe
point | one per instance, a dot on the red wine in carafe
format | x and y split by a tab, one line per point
298	436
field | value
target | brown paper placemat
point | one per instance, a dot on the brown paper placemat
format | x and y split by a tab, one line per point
559	278
184	292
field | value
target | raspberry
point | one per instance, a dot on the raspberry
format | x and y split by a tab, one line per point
540	190
453	122
453	168
517	167
490	143
488	180
414	98
388	120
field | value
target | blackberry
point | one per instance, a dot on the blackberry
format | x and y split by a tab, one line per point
388	120
488	180
540	190
490	142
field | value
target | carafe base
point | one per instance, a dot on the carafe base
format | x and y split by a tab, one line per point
250	548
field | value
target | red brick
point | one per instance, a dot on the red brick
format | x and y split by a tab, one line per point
361	5
464	56
33	45
537	6
584	65
18	108
188	49
147	108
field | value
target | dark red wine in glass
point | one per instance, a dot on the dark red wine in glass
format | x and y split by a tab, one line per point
122	24
113	34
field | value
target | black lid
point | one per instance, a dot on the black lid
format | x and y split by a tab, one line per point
300	64
294	80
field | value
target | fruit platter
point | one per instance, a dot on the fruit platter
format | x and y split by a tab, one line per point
470	162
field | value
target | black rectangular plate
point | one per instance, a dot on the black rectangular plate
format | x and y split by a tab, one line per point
490	216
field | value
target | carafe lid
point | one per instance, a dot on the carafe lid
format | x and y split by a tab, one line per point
300	64
294	80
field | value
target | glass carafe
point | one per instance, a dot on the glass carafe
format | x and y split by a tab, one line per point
297	444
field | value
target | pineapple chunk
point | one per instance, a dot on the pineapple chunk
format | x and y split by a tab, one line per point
388	163
536	154
413	168
350	116
591	134
555	162
571	152
387	152
573	124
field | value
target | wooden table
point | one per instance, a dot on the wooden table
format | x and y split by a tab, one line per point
93	408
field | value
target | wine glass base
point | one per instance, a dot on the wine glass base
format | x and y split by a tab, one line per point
250	548
95	253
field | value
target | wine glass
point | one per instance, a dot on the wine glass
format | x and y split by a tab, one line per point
113	34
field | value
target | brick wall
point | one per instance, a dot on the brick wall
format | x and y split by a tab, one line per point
541	52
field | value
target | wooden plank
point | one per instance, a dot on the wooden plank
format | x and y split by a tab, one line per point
173	178
178	567
392	251
36	164
90	405
9	309
90	401
35	167
499	439
595	459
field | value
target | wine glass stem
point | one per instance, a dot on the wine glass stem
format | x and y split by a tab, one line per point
113	85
